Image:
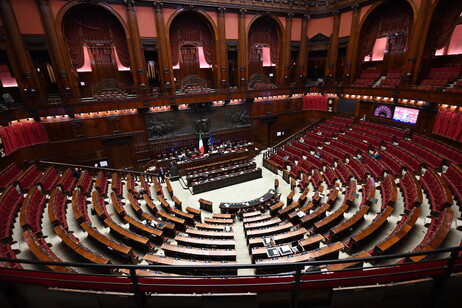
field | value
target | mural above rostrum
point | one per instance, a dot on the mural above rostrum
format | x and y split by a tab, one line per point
164	125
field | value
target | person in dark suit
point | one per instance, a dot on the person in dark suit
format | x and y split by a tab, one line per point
161	175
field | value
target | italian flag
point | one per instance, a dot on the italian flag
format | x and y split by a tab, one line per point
201	144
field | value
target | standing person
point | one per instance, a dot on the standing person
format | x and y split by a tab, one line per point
161	175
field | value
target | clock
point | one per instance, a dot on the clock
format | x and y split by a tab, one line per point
383	111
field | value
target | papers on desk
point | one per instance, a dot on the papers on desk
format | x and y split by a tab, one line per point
301	214
267	241
285	250
272	252
226	204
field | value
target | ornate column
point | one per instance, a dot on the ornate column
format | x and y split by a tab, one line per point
352	50
165	65
303	54
222	55
29	83
65	84
331	65
141	79
242	53
416	46
286	52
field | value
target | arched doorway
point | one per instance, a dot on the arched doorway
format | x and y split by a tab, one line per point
442	45
97	48
385	36
264	51
193	51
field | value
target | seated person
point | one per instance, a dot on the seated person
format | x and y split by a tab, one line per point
359	157
376	155
317	154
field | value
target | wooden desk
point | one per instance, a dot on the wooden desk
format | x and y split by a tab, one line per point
438	236
207	243
285	211
169	187
210	227
134	204
262	224
251	214
218	221
206	205
107	242
42	254
330	251
188	218
168	229
268	231
75	245
230	207
350	223
179	222
152	207
290	197
248	152
219	171
257	218
341	266
99	206
223	216
209	233
308	243
378	221
133	238
177	202
226	180
332	219
274	209
198	253
195	212
279	238
118	206
147	230
333	195
294	216
164	204
156	259
320	212
400	231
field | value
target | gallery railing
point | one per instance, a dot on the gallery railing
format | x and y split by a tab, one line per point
292	277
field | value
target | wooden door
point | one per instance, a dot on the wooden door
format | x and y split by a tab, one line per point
119	152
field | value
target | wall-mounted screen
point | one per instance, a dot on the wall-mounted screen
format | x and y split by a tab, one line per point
406	115
346	105
383	111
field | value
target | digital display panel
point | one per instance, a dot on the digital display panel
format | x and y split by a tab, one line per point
406	115
383	111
